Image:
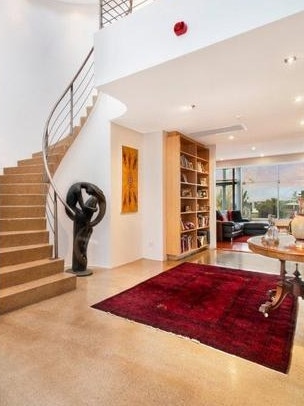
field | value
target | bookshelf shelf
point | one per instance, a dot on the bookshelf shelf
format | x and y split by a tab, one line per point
187	196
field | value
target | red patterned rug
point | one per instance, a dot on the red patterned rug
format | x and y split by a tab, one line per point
215	305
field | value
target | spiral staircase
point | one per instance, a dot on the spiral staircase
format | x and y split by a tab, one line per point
28	271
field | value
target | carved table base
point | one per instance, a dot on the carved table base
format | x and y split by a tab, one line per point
287	285
286	250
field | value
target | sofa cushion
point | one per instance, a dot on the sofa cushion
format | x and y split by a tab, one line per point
225	217
254	225
219	216
238	226
255	228
236	215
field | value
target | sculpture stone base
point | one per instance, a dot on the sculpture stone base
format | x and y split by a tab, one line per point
87	272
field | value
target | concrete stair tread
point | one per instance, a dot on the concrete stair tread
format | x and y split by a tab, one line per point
24	205
27	232
35	283
22	247
19	224
25	265
22	178
23	188
23	194
17	199
21	218
42	282
29	167
26	183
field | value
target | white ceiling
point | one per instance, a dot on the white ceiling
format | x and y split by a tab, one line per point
242	80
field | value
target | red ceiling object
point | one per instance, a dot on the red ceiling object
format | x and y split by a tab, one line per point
180	28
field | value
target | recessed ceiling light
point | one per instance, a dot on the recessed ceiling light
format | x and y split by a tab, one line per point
262	155
302	122
253	148
231	137
290	59
298	99
188	107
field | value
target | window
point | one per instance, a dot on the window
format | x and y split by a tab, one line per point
259	191
228	188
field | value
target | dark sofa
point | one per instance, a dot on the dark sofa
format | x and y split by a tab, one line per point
231	224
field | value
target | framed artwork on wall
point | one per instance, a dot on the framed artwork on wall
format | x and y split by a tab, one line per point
129	180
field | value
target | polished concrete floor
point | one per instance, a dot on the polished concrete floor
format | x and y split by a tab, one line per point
61	352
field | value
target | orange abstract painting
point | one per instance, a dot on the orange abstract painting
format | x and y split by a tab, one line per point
129	180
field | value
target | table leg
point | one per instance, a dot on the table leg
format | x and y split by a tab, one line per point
282	269
297	284
278	294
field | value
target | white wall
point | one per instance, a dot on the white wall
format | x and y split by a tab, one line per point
126	228
89	160
42	45
153	197
96	157
146	38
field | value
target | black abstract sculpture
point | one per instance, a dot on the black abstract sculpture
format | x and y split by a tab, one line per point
82	212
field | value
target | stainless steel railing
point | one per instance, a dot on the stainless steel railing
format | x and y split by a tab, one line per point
67	112
111	10
59	133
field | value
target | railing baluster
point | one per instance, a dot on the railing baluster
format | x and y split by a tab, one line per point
71	109
56	236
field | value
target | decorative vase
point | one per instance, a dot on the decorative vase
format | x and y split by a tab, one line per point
297	223
271	238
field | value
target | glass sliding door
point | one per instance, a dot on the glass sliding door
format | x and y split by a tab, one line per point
228	189
291	186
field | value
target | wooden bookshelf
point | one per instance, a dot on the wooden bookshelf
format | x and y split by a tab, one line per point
187	196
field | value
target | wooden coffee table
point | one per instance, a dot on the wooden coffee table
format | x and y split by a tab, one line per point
287	250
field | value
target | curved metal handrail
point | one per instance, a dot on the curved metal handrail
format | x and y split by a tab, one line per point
62	119
59	126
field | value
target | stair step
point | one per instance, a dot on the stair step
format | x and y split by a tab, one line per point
22	211
31	161
17	238
22	200
24	188
26	253
22	224
22	178
58	149
83	120
15	297
16	170
29	271
37	159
